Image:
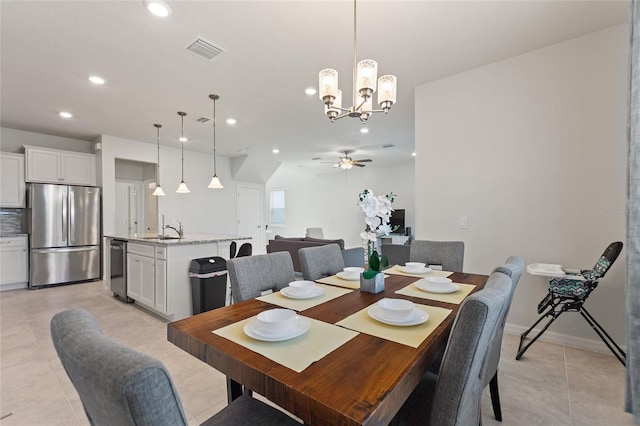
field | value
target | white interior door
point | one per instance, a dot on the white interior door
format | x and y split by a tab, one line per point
127	208
250	216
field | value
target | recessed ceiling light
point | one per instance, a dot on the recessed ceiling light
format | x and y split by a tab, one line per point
183	139
157	7
231	121
275	150
364	130
65	114
96	79
310	91
413	154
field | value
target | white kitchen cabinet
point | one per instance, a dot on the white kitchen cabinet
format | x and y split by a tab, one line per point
12	183
146	275
57	166
161	286
14	262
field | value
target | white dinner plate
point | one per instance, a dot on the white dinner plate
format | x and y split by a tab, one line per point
300	327
348	277
430	288
418	316
424	270
291	294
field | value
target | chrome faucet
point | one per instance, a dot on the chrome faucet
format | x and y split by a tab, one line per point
179	230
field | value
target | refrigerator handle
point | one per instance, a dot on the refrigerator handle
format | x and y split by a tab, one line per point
64	214
65	250
71	211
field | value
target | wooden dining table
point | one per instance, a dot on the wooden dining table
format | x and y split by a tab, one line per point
363	382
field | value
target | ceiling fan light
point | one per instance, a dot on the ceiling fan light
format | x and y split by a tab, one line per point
367	77
215	183
387	93
346	165
328	85
158	192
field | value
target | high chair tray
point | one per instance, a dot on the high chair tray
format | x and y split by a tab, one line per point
551	270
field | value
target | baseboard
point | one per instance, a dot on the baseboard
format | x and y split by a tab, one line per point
13	286
593	345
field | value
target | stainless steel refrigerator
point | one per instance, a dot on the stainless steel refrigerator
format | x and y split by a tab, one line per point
64	228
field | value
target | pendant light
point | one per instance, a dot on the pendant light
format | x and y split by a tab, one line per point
182	188
215	181
158	191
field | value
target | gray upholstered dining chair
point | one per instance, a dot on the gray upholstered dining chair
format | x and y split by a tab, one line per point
448	254
120	386
320	261
512	268
251	275
453	397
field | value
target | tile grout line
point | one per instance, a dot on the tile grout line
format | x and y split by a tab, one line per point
566	379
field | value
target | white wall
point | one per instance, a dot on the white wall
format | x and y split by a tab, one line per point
204	210
11	140
533	151
329	200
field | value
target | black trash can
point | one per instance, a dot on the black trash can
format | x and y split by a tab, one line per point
208	283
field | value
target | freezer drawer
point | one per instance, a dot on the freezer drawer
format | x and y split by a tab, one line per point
56	266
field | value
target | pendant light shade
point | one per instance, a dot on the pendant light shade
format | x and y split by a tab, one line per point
182	187
215	181
158	191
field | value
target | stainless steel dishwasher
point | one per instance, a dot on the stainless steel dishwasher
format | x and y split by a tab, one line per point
118	275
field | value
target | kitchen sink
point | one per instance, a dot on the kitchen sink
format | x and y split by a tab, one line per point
160	237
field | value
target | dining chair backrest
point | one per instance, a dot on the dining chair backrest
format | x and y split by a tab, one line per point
245	249
512	270
251	275
458	392
448	254
117	385
320	261
232	249
120	386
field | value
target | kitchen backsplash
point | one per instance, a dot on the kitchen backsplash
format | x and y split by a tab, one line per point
10	221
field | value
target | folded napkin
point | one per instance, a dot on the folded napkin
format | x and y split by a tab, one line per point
279	299
455	298
411	336
396	271
298	353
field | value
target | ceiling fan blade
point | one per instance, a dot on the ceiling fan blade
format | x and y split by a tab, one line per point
366	160
358	165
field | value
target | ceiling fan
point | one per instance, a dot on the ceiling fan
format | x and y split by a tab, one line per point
347	162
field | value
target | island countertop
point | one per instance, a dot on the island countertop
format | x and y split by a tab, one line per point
174	241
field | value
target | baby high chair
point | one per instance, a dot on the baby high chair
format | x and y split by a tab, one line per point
568	290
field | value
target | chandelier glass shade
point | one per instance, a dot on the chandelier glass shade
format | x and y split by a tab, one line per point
158	191
365	83
182	187
215	181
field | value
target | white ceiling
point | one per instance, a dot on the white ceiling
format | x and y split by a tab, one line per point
274	50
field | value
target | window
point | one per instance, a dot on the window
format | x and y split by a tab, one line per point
276	202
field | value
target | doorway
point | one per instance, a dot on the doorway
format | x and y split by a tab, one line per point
250	200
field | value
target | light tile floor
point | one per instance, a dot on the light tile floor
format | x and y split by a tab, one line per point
551	385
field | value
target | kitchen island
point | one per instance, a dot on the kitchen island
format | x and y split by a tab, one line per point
157	268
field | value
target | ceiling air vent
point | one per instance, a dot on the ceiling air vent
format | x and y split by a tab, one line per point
203	120
204	48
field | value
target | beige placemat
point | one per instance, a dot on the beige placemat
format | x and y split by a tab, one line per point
296	354
279	299
456	298
395	270
411	336
335	280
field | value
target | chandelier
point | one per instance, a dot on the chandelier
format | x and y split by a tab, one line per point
364	85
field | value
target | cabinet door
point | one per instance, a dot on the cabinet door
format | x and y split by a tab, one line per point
161	286
13	262
12	186
78	169
134	276
43	165
147	281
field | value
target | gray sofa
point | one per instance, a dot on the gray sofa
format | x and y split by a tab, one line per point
352	256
